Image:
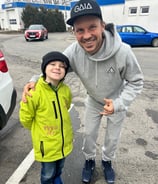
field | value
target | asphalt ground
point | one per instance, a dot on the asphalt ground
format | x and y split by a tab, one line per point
136	159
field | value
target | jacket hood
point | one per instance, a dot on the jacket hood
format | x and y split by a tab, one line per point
110	46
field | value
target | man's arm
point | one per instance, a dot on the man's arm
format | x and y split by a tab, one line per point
35	78
134	81
30	85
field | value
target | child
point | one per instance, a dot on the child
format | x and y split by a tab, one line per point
46	116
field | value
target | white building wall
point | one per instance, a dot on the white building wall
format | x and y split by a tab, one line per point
2	19
119	14
6	21
149	21
19	21
12	14
113	13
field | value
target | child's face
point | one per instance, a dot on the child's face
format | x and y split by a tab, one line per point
55	71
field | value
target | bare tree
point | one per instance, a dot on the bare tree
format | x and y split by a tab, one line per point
59	2
65	2
56	1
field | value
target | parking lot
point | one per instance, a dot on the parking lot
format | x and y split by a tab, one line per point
137	156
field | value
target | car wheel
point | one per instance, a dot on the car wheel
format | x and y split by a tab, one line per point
155	42
46	36
42	38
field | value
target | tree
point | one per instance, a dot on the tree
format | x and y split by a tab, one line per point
29	15
60	23
53	20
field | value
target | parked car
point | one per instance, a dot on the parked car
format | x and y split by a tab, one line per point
135	35
8	93
36	32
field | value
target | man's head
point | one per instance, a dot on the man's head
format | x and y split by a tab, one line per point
88	26
55	64
84	8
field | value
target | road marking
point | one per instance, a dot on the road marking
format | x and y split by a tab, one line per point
20	172
22	169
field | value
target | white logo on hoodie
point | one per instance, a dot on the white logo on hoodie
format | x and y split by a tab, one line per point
111	70
81	7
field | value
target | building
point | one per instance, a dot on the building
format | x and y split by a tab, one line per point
141	12
10	11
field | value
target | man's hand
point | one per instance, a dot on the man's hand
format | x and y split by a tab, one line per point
108	107
27	87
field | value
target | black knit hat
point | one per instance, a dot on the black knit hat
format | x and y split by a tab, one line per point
54	56
84	7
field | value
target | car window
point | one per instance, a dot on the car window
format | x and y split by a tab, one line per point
127	29
35	27
138	29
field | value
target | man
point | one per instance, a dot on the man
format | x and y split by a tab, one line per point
112	77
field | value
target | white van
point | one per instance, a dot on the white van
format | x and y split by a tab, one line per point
8	93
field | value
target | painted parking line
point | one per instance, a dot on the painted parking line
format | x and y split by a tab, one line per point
22	169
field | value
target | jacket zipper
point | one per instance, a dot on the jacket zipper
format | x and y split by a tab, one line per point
55	110
61	123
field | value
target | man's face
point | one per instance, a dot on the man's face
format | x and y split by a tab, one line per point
88	31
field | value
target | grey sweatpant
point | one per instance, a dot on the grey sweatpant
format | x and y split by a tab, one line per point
92	122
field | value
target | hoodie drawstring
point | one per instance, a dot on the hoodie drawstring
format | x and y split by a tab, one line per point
96	74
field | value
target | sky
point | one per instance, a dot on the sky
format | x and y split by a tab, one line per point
2	1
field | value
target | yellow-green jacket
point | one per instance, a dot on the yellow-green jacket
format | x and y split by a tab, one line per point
46	115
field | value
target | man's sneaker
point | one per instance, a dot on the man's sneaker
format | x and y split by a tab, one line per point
109	173
88	170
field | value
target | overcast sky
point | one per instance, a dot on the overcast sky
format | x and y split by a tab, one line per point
1	1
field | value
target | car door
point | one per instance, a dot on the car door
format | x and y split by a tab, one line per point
135	35
127	35
141	36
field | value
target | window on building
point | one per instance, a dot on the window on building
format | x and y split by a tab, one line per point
144	10
132	10
12	21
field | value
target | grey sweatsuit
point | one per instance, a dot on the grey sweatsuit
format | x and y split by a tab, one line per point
113	73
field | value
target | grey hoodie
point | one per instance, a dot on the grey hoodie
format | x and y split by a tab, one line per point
113	72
